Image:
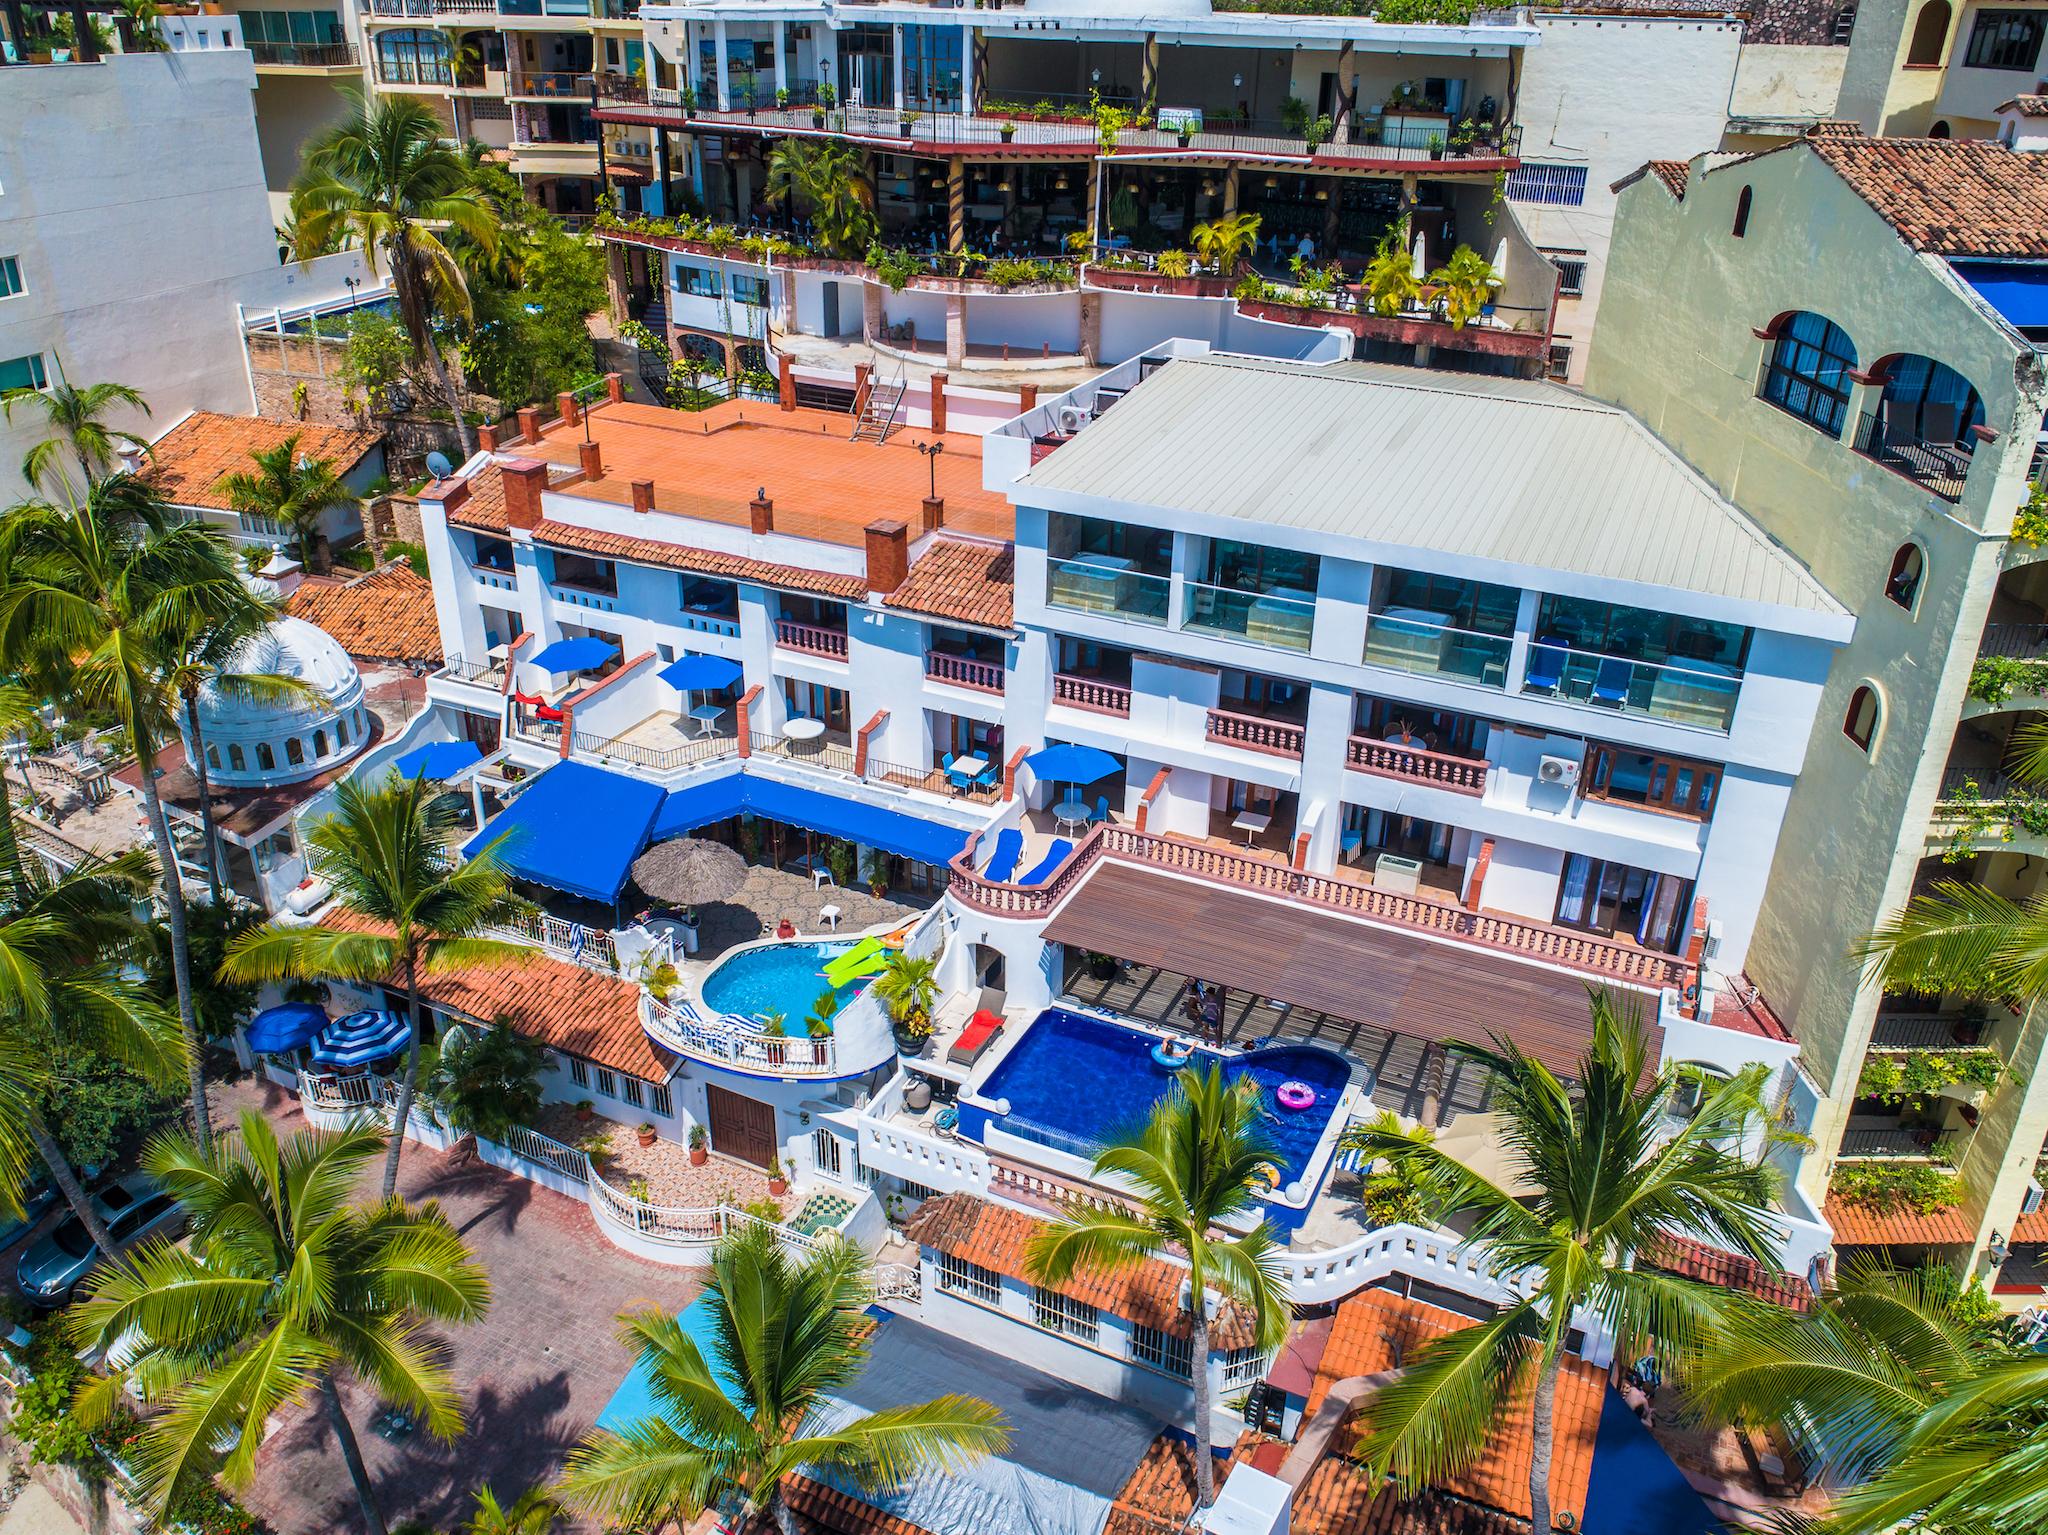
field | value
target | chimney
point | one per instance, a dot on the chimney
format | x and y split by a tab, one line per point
487	438
888	554
450	493
761	512
934	516
615	388
565	407
591	456
643	496
1027	398
525	479
529	422
938	402
785	382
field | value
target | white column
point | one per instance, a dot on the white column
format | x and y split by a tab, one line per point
967	68
718	46
896	61
781	61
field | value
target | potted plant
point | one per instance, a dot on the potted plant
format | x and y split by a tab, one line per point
778	1181
688	97
821	103
840	859
585	1111
700	1145
1101	967
819	1022
878	873
1436	146
907	121
1008	130
782	98
645	1132
1968	1027
908	987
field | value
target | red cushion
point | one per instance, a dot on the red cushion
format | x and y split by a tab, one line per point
979	1027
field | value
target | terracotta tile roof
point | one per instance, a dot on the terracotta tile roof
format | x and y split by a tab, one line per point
387	615
1340	1497
822	1510
1379	1330
703	562
1672	174
1161	1492
484	510
2026	106
191	459
1953	197
970	583
1858	1225
564	1006
2032	1228
1740	1004
1729	1271
994	1235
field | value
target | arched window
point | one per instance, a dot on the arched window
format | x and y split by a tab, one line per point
1909	565
1860	723
1925	422
1696	1079
236	760
414	57
266	759
341	731
1741	213
213	756
1930	37
319	744
1940	130
294	753
1808	370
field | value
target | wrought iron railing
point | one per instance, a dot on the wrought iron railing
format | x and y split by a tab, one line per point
1939	466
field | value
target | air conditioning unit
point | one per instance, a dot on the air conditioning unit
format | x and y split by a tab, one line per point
2030	1201
1073	418
1564	770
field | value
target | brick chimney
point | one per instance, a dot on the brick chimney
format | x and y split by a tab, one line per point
761	512
525	479
643	496
938	402
487	438
888	554
529	422
933	515
615	388
591	457
568	410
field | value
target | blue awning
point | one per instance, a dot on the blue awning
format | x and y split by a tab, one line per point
2016	289
742	793
578	829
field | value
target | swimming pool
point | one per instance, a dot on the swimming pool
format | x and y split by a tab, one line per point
783	978
634	1402
1073	1082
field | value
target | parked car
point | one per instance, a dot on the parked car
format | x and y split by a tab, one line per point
133	1208
35	1204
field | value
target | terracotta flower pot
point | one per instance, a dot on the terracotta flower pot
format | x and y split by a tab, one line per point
778	1186
646	1137
699	1156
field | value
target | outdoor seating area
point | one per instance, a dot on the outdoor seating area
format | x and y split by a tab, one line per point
661	1173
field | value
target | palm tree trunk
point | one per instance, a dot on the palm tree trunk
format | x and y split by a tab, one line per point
66	1179
1542	1436
352	1456
463	431
181	952
412	305
205	793
1198	1362
402	1115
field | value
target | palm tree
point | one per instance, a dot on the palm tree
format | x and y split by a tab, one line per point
109	588
1608	1183
787	1333
486	1082
1389	279
1191	1169
77	419
292	488
1465	282
385	179
909	985
285	1285
1224	242
532	1513
827	176
383	852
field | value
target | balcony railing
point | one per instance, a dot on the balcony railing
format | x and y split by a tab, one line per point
1279	738
1686	695
1092	693
415	72
457	669
656	759
2021	642
426	8
306	55
587	946
1281	617
1424	645
551	84
1941	467
1461	775
733	1041
1896	1142
1106	583
1916	1031
810	639
964	672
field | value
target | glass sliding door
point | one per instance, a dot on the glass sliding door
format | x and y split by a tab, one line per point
1613	899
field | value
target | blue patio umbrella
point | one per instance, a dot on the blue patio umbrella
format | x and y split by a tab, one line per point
277	1030
575	655
439	759
362	1038
1072	764
699	674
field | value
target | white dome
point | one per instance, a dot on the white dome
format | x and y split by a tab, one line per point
257	742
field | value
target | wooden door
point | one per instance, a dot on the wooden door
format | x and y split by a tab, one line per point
742	1127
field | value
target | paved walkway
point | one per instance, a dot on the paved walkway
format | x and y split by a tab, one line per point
534	1373
770	894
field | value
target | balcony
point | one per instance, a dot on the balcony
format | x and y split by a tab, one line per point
1108	584
427	9
1896	1143
1093	694
1922	1031
304	55
1941	466
1283	617
548	85
424	74
1252	732
1417	642
810	639
1386	759
1701	695
964	672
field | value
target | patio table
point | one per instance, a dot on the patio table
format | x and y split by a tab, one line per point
707	717
1251	823
1070	813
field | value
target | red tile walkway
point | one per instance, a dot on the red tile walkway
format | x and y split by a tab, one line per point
533	1373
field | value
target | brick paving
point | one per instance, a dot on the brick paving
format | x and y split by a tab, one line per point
534	1373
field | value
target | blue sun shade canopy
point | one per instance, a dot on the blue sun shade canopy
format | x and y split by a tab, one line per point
277	1030
700	674
578	830
2016	289
439	759
577	655
362	1038
742	793
1067	763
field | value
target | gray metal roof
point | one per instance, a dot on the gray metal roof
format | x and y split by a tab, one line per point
1522	472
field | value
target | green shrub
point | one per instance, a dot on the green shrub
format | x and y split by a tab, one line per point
1994	679
1887	1186
1914	1073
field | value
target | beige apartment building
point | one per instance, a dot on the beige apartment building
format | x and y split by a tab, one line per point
1841	334
1940	68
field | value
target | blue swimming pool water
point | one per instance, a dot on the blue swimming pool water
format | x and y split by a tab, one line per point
1074	1082
634	1402
782	978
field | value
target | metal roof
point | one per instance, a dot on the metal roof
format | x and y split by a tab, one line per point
1521	472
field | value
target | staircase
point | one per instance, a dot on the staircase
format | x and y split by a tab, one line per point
878	412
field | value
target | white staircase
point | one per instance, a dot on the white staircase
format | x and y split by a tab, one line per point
878	413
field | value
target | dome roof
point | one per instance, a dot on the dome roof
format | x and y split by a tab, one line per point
290	647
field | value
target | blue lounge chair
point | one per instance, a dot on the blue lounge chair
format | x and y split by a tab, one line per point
1009	848
1102	808
1610	683
1546	669
1054	857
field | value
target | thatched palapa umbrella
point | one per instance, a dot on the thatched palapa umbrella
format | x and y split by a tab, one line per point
688	871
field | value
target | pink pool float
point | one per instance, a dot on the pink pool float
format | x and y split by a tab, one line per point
1295	1095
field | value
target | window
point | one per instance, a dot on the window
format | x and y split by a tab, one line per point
10	276
635	1094
1598	896
1161	1350
1243	1367
607	1082
294	751
1559	365
1909	565
1560	186
960	1277
2002	40
23	373
236	761
266	759
492	553
319	744
1930	35
1674	784
1860	723
585	573
826	1152
1571	271
341	731
749	290
1807	371
213	756
579	1072
697	281
1642	634
661	1100
1064	1315
1689	1092
416	56
1742	200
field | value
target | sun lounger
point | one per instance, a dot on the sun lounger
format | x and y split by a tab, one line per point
1009	848
981	1029
1054	857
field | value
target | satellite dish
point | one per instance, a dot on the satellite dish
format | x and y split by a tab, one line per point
438	466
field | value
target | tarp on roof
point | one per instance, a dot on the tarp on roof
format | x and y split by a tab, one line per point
1070	1453
740	793
2016	289
578	829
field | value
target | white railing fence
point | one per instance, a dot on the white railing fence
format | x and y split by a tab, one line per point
732	1040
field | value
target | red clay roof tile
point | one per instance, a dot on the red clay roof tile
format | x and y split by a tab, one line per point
387	615
1953	197
1860	1225
189	461
969	583
1728	1271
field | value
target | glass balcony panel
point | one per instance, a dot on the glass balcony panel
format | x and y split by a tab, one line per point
1417	645
1106	583
1280	617
1701	694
